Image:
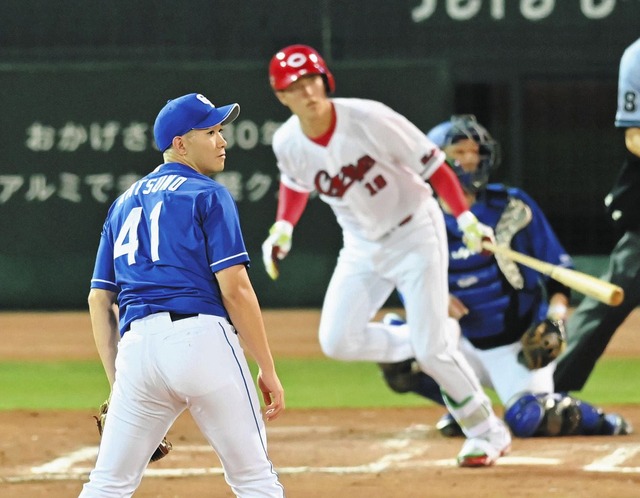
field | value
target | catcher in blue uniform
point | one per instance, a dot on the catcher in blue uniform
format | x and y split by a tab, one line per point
511	317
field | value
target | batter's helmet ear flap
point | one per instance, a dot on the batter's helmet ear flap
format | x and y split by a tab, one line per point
295	61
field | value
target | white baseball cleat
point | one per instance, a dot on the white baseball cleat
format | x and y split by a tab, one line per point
484	450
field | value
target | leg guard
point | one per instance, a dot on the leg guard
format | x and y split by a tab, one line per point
558	414
406	376
448	426
474	414
596	423
551	414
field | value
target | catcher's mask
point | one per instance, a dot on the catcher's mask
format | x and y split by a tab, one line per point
295	61
465	126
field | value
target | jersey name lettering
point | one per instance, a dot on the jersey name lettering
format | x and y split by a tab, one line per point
165	182
337	186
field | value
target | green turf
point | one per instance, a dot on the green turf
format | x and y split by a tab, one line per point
309	383
52	385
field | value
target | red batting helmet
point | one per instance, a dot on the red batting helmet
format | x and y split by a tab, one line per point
295	61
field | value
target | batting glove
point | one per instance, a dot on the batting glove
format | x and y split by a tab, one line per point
276	247
474	232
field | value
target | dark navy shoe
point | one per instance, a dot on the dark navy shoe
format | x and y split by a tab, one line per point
615	425
448	426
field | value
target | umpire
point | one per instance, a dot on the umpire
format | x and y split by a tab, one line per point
592	325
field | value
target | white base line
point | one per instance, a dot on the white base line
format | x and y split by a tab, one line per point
402	456
64	469
388	462
611	462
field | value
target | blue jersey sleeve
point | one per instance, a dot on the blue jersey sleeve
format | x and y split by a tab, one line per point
221	226
103	272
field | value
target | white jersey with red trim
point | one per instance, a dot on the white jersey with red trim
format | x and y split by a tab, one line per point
372	172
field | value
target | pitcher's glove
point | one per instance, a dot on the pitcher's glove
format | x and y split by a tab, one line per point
161	451
542	343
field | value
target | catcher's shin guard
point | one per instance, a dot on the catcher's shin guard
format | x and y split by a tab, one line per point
558	414
596	422
615	425
549	414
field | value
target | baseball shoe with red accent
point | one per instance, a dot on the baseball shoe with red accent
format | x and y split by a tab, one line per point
484	450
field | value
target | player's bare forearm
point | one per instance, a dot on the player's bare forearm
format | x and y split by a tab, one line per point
241	303
457	309
104	323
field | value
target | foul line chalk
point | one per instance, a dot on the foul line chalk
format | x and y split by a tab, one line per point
612	462
406	447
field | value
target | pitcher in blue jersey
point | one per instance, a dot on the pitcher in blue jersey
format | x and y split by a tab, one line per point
496	300
170	297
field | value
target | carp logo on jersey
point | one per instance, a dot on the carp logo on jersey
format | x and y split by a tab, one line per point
337	186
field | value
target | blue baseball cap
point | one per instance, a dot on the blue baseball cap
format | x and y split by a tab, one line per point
189	112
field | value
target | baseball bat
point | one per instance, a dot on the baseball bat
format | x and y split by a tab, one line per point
588	285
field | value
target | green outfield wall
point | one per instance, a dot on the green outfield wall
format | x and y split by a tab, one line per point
80	83
81	134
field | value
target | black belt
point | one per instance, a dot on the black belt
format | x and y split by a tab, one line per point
180	316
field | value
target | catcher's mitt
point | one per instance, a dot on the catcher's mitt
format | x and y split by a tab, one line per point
542	343
161	451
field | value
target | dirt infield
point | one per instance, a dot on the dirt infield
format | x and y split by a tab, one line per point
373	453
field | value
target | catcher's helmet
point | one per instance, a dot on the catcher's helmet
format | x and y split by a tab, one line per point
461	127
295	61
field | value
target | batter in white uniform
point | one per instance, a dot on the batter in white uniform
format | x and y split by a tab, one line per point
370	164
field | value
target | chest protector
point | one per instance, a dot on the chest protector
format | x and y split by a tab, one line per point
489	286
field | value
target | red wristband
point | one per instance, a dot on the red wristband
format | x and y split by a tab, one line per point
446	184
291	204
